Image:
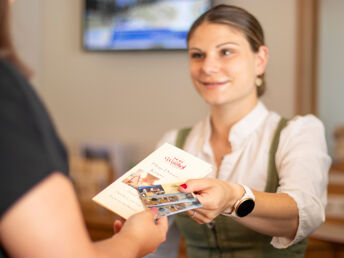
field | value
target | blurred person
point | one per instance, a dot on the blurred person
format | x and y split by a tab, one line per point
267	192
39	212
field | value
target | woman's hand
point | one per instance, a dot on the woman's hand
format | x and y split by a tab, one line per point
216	196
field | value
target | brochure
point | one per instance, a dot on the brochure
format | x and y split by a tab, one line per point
167	164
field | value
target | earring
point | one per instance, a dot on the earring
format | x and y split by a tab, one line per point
259	81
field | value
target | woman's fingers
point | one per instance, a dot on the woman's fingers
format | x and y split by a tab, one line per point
195	185
215	196
199	217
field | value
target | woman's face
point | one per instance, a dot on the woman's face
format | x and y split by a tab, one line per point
222	65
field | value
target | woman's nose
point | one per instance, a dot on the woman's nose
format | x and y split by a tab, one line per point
210	65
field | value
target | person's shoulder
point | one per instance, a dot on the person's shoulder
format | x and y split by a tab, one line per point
5	66
304	131
295	123
298	128
9	71
11	80
168	137
305	122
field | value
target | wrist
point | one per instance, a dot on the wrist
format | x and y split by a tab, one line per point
244	205
126	248
236	191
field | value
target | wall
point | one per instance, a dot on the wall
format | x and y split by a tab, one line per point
27	34
330	76
135	96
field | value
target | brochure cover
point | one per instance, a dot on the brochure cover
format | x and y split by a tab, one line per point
166	165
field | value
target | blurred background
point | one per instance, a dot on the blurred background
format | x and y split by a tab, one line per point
112	107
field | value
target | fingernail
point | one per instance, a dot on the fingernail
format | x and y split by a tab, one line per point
153	209
184	186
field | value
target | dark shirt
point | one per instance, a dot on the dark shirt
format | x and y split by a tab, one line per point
30	149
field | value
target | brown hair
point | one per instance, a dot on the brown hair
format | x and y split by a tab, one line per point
7	50
240	19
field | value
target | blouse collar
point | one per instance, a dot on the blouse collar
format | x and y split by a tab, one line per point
242	129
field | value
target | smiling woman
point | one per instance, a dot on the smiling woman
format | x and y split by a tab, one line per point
267	191
224	72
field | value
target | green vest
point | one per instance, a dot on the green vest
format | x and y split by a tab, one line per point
224	237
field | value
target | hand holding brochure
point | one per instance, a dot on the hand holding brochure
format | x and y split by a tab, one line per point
165	165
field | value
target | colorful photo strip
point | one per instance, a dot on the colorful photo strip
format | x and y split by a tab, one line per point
168	210
167	199
164	199
150	190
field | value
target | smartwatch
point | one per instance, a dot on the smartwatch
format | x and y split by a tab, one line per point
244	205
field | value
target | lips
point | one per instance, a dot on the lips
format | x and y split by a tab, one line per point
212	85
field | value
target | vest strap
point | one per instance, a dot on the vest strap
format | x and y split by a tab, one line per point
272	176
181	137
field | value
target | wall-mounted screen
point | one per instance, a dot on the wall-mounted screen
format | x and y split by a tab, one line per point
139	24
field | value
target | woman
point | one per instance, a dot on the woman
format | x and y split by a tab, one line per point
39	212
267	192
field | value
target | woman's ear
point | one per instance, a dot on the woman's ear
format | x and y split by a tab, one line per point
262	59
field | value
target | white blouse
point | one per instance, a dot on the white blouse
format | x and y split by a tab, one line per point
302	162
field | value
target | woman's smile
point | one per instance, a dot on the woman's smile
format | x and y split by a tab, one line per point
215	84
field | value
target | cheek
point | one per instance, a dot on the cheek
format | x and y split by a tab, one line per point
243	69
193	68
236	66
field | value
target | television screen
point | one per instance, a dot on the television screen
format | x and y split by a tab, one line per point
139	24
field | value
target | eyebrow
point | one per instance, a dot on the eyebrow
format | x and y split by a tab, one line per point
226	43
217	46
194	48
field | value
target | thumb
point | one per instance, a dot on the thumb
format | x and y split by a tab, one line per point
194	185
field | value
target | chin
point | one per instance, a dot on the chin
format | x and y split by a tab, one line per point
215	101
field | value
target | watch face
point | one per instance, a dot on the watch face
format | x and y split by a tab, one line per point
245	208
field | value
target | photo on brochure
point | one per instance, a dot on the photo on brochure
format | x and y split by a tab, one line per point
140	178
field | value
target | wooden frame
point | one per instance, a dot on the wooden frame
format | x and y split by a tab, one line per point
306	57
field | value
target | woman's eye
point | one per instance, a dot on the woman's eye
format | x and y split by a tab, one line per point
226	52
196	55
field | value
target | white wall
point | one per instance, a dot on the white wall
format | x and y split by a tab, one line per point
27	34
135	96
330	76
